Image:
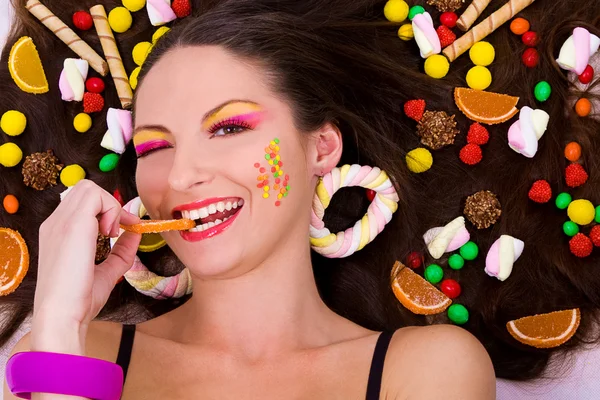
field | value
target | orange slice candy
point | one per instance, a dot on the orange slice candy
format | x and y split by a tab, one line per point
545	330
14	260
485	107
156	226
26	67
415	293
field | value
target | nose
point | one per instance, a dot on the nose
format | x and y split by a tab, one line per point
191	167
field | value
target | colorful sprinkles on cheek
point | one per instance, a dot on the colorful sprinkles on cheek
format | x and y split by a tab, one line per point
280	179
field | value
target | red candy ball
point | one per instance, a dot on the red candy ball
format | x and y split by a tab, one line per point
530	38
371	194
450	288
587	75
530	57
449	19
94	85
414	260
82	20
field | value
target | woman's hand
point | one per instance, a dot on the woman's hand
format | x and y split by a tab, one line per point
71	290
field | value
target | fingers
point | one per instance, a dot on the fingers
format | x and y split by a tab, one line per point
119	260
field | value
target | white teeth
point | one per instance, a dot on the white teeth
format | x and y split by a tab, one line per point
185	214
220	206
194	214
225	219
217	222
204	226
234	205
211	224
212	209
228	206
203	212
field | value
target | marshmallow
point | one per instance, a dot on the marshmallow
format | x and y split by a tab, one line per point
576	51
447	238
425	35
120	130
502	255
72	79
160	12
523	135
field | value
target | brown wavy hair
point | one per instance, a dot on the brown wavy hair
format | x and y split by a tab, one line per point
340	61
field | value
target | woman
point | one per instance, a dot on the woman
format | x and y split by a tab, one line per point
328	81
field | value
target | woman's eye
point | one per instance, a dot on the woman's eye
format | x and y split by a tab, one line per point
151	149
229	130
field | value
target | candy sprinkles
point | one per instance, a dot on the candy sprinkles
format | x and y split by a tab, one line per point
280	185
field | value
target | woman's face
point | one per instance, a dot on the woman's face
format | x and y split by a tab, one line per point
218	146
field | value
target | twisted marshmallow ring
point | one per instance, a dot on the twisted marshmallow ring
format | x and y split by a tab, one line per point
366	229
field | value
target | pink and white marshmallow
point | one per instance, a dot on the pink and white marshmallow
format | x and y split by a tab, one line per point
72	79
576	51
120	130
502	255
444	239
524	134
425	35
160	12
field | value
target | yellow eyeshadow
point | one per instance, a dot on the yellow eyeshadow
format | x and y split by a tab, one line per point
145	136
230	110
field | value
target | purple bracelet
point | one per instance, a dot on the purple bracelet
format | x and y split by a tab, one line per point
41	372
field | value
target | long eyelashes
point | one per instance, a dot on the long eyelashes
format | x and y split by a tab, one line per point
143	149
231	126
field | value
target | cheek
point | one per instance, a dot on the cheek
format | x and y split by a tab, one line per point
273	182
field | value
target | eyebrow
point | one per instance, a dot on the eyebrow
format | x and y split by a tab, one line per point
218	108
156	128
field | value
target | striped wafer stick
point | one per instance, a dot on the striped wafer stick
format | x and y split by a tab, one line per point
66	34
471	13
485	27
111	52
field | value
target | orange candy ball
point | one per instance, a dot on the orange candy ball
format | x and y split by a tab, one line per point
11	204
519	26
583	107
573	151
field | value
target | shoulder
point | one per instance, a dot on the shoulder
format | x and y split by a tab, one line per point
102	341
438	361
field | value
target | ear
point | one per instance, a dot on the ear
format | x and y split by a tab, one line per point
325	149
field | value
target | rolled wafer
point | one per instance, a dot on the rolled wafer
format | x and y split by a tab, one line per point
471	13
111	52
66	34
485	27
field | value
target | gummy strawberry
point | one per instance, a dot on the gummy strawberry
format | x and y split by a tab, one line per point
581	246
447	37
181	8
575	175
471	154
478	134
414	109
92	102
540	191
595	235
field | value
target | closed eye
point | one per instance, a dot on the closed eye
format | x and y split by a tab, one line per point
144	149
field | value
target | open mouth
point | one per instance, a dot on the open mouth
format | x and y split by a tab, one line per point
211	215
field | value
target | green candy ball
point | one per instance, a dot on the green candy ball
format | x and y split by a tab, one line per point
469	251
542	91
108	162
456	261
597	219
458	314
415	10
570	228
563	200
434	273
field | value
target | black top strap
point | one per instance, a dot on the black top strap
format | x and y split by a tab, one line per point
376	373
125	347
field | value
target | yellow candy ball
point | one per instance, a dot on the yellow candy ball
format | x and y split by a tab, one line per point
120	19
396	10
10	154
159	33
133	78
406	32
582	212
71	174
134	5
482	53
419	160
437	66
140	52
82	122
13	122
479	78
